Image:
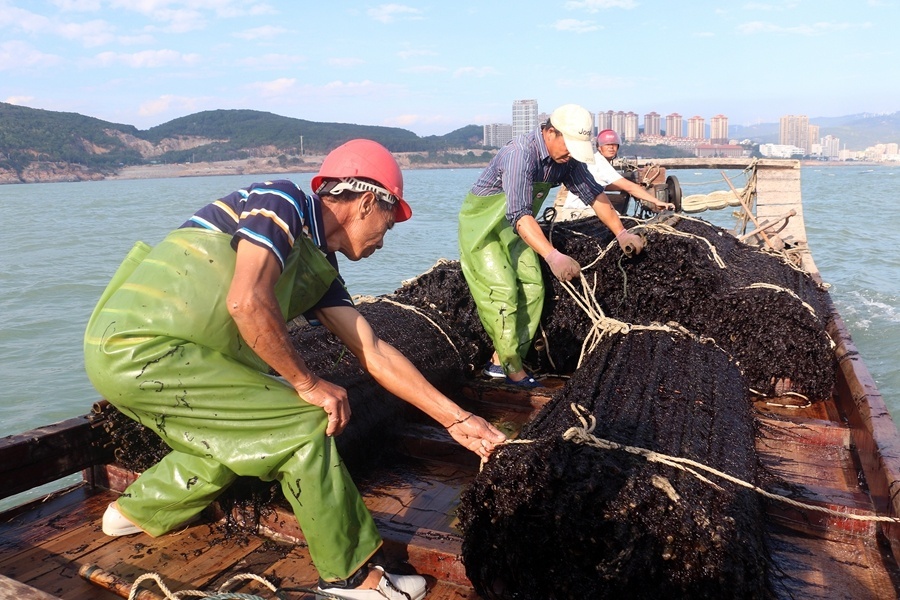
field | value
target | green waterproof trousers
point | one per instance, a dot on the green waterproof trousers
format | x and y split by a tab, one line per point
503	274
162	348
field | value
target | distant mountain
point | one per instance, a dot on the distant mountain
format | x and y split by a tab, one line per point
856	132
42	145
33	139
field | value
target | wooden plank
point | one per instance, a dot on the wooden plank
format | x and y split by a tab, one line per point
46	454
809	568
10	588
873	430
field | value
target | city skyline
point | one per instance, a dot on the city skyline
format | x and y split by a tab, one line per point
433	68
797	136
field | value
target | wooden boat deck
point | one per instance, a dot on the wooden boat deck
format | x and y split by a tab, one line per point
842	453
43	545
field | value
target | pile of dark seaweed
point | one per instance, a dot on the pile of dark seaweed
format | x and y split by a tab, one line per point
771	332
556	519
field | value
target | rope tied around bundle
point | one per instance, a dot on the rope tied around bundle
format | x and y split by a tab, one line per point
586	299
584	435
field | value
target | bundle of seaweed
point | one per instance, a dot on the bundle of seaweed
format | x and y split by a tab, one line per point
692	274
558	519
444	290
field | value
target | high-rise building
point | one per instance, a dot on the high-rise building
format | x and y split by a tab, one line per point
674	125
697	128
652	124
631	129
618	122
794	131
831	146
718	130
813	136
524	116
497	135
605	120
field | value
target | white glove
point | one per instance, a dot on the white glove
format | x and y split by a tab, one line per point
630	243
563	266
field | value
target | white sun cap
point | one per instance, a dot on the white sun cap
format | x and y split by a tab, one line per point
576	125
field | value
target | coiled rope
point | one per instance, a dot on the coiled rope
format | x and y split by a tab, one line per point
221	594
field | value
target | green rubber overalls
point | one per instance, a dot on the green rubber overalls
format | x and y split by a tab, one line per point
503	273
162	347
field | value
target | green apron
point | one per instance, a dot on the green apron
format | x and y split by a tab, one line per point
503	274
162	347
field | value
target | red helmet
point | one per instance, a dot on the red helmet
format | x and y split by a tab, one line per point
608	136
369	160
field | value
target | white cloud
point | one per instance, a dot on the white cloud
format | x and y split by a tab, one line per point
409	120
256	33
77	5
19	100
169	103
388	13
349	88
147	59
598	5
90	34
19	55
575	25
277	87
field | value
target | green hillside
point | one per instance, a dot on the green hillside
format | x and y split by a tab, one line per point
29	135
40	139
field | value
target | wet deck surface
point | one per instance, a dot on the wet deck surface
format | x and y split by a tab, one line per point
815	556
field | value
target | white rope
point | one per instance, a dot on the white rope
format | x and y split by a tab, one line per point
170	595
427	318
584	435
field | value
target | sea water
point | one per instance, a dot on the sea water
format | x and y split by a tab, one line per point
61	242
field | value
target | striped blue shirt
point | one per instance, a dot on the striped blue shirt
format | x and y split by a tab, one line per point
272	214
524	161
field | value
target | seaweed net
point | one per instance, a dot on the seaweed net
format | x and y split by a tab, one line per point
556	519
703	278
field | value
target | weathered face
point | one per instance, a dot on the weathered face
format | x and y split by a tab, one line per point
556	145
366	233
609	151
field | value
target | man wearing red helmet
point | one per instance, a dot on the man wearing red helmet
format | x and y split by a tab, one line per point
185	335
500	240
608	142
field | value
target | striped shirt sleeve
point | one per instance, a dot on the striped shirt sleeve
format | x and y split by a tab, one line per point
269	214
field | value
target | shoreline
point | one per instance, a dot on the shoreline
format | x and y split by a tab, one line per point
252	166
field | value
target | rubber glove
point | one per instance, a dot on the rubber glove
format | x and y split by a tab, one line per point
630	243
563	266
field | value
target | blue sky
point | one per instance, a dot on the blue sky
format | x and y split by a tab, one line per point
432	67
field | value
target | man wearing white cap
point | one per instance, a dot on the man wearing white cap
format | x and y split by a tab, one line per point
500	239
